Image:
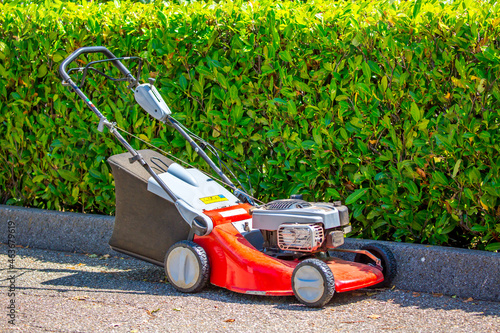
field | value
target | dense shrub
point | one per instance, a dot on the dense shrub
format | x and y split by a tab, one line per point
392	107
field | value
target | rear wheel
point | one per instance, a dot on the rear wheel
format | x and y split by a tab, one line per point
187	267
313	283
387	261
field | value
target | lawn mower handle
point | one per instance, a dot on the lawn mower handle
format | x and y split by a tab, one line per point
201	225
90	49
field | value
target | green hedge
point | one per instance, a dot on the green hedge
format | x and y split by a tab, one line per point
390	107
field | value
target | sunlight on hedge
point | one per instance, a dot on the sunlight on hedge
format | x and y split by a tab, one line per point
392	107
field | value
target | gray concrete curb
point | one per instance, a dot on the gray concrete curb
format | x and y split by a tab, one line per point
421	268
53	230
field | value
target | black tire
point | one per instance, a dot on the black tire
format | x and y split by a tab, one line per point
387	260
193	273
313	296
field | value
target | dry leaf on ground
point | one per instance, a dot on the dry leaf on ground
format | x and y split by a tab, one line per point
79	298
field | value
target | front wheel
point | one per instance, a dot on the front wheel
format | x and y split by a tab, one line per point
313	283
387	261
187	267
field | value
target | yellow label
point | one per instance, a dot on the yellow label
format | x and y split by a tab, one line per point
213	198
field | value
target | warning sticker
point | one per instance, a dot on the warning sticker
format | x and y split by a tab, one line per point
213	198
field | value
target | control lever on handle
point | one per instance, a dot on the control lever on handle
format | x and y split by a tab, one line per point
91	49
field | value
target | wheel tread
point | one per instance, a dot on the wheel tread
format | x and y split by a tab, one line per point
202	257
388	262
329	282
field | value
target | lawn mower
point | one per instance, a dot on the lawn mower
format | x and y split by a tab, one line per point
203	229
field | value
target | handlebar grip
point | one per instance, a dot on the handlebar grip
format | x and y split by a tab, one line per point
90	49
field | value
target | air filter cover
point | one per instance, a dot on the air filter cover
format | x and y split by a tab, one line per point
300	237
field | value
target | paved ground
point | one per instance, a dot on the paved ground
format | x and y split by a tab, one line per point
67	292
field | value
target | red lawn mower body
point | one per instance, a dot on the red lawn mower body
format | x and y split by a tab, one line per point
238	266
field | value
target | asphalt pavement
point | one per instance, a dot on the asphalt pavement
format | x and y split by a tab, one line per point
71	292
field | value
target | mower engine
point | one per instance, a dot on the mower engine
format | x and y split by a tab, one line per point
296	227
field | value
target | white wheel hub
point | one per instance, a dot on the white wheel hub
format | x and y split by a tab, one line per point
183	267
309	284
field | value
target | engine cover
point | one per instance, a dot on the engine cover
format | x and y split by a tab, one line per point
288	211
